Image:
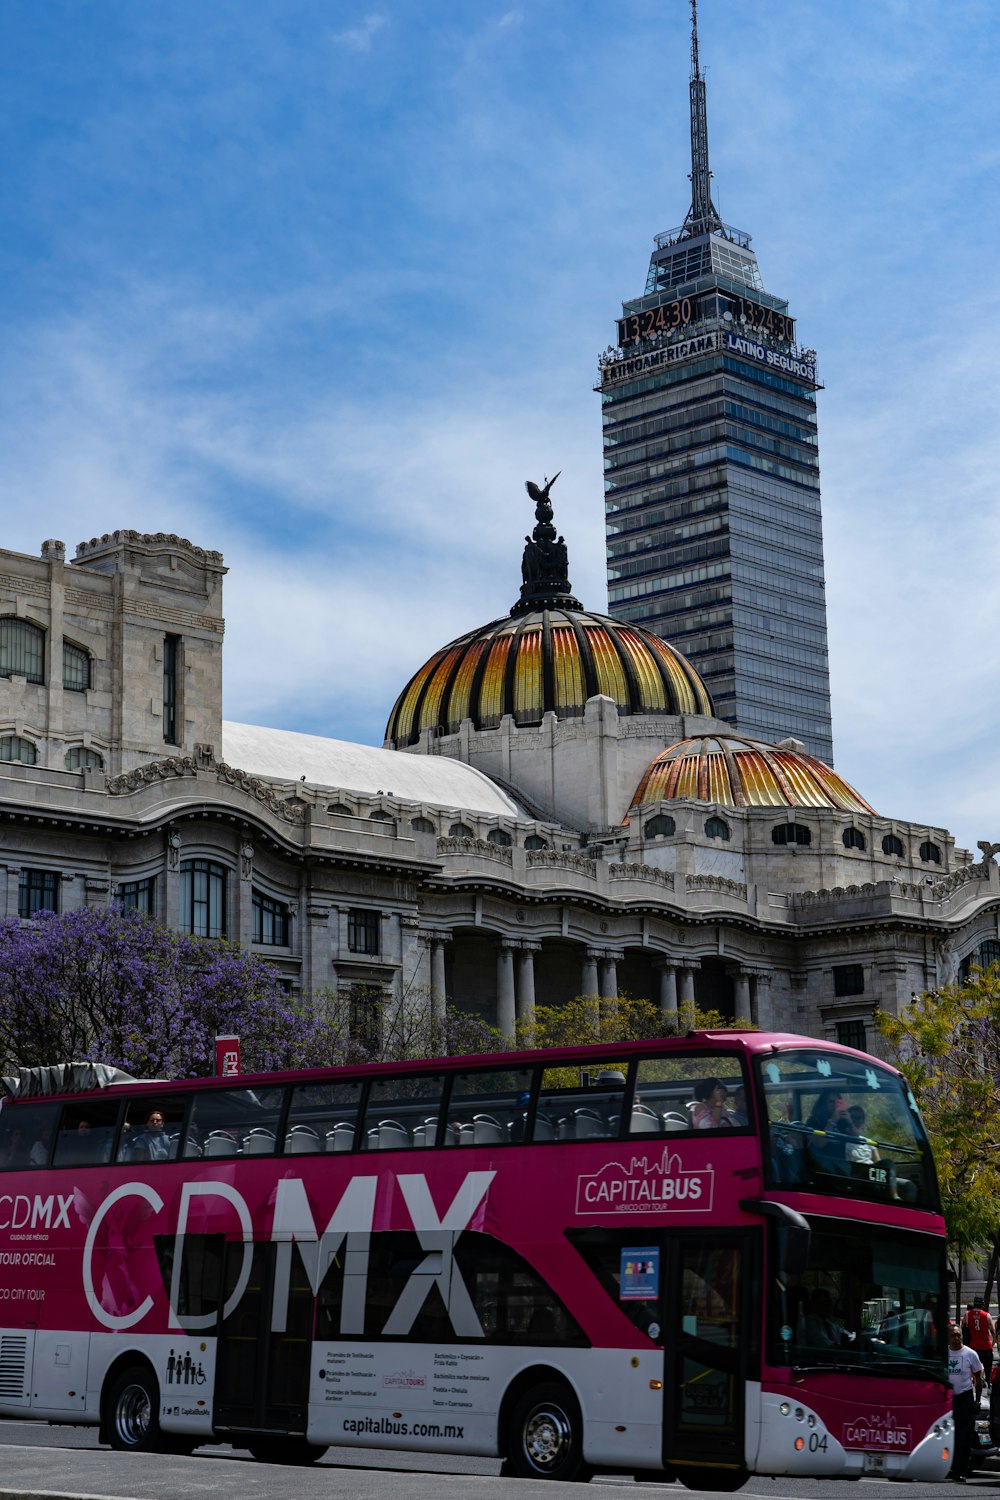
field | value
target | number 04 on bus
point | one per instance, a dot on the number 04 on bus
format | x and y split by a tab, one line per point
709	1257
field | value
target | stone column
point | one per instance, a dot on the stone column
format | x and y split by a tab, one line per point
438	996
244	895
506	1004
762	1001
686	996
609	975
668	991
526	982
741	990
588	982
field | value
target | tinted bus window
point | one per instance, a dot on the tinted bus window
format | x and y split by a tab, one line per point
323	1117
843	1125
580	1101
86	1133
403	1112
488	1107
26	1136
235	1122
693	1091
152	1128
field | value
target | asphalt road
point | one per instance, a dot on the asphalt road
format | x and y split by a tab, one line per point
38	1460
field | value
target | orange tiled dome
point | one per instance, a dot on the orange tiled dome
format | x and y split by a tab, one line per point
737	772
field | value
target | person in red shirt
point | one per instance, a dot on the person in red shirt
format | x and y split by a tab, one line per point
979	1332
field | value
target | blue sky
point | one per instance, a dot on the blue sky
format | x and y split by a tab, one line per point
320	285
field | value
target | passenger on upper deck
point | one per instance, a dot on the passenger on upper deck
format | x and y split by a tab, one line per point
709	1109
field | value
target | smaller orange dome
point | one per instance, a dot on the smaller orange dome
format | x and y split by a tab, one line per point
736	772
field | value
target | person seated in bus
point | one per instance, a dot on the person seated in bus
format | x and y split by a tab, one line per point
151	1144
38	1156
738	1115
829	1128
13	1149
709	1109
859	1148
820	1330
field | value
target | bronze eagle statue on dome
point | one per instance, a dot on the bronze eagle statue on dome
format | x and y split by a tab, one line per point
541	496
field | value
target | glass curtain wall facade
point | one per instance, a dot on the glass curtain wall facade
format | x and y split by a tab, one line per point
714	532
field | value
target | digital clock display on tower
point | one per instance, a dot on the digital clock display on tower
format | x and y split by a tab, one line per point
757	317
654	320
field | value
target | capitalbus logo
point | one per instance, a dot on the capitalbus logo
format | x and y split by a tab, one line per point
405	1380
645	1187
880	1430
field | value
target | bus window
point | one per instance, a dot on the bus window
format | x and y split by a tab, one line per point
86	1133
26	1136
581	1101
234	1122
403	1112
845	1125
488	1107
323	1113
152	1128
690	1091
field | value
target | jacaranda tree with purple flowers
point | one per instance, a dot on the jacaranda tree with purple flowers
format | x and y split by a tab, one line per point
112	985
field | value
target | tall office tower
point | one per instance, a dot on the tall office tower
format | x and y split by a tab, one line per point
714	530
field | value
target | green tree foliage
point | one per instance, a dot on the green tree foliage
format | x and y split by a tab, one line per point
587	1019
947	1045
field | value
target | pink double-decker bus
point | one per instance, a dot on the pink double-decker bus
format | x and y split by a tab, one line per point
705	1258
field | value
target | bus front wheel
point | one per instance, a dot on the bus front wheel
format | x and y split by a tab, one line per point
545	1435
132	1421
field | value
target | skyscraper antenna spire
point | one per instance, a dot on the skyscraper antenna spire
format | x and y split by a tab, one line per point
702	216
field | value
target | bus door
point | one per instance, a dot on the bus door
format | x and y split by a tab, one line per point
709	1347
262	1377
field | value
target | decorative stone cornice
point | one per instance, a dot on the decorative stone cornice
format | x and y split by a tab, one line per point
717	883
146	540
481	848
649	873
187	765
558	860
153	771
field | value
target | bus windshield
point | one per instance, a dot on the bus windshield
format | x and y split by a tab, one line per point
869	1299
844	1125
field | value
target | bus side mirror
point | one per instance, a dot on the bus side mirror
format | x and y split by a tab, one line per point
796	1237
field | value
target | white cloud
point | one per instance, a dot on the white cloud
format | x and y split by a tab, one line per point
360	38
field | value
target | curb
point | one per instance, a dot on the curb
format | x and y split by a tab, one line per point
55	1495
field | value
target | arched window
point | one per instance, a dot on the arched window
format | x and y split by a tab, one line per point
892	845
460	831
22	650
203	898
269	921
82	759
983	957
534	841
716	828
378	816
854	839
423	825
12	747
339	810
76	669
791	833
930	853
499	837
660	827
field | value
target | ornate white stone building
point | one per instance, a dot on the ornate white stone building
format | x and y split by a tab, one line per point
555	812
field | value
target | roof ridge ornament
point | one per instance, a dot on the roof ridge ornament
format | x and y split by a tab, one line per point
544	562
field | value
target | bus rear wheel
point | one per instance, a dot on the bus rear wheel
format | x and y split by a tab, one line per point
545	1435
132	1419
285	1451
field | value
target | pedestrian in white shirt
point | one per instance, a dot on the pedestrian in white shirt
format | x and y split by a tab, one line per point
965	1371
